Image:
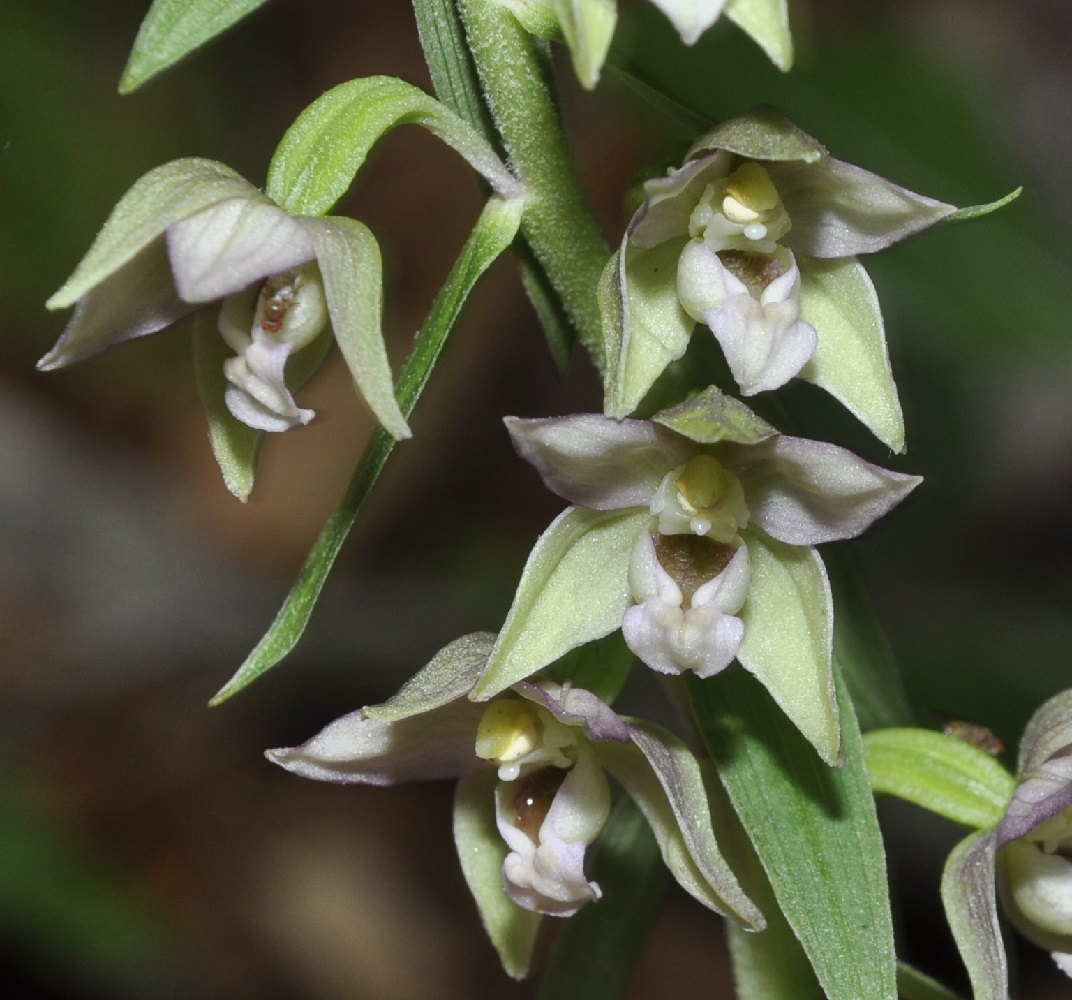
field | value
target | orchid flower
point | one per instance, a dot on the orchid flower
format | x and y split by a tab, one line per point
1024	860
587	26
694	533
756	236
193	234
532	794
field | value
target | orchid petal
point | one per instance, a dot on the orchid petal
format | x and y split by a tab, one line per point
230	245
587	26
574	588
788	637
1041	794
596	461
970	902
349	260
808	492
851	362
669	200
482	851
356	749
655	330
711	417
663	778
691	18
165	195
767	22
761	134
841	210
1048	733
578	708
133	301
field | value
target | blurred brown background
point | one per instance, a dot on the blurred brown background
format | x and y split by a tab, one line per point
146	847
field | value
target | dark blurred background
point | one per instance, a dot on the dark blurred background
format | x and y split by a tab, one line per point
146	848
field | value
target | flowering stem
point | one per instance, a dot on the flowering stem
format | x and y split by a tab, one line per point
558	223
491	236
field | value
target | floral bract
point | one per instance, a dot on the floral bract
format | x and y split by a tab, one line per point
694	533
191	233
758	232
532	795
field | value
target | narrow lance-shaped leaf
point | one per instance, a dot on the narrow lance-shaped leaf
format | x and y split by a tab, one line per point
330	140
813	827
936	772
493	233
173	29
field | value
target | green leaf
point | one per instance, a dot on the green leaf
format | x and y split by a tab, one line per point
234	444
646	331
711	416
788	637
597	948
813	827
481	851
915	985
939	773
574	588
861	650
173	29
330	140
767	22
493	233
851	362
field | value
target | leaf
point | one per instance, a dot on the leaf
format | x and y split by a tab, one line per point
481	851
597	948
944	775
574	588
915	985
788	635
325	147
978	211
813	827
493	233
173	29
767	22
851	362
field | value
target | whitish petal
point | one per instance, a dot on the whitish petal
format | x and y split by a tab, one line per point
691	17
599	462
669	200
578	708
165	195
807	492
359	750
588	26
349	259
481	852
841	210
1040	887
136	300
1063	962
222	249
1048	733
1041	794
664	780
258	393
704	637
970	902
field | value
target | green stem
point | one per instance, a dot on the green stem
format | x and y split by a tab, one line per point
558	223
